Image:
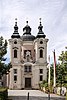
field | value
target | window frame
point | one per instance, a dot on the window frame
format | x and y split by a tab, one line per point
41	42
41	53
15	71
41	71
15	53
15	77
15	42
41	77
27	69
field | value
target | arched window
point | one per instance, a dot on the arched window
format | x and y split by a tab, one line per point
15	53
41	53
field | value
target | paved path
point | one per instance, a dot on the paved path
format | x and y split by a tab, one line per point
34	95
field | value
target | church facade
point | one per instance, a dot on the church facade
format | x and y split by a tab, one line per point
28	56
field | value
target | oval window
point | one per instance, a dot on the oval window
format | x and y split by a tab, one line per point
15	42
41	42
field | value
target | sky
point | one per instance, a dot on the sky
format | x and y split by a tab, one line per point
54	21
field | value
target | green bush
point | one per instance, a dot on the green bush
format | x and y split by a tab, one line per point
3	94
47	88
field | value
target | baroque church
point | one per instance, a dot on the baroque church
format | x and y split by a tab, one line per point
28	56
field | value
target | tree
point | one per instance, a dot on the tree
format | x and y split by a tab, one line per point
63	68
3	50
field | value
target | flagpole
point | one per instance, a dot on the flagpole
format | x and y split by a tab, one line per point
49	78
54	69
49	70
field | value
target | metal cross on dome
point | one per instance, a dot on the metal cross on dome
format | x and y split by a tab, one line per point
27	22
16	21
40	20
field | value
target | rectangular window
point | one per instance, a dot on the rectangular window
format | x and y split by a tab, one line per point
0	77
27	68
41	71
15	77
41	77
15	71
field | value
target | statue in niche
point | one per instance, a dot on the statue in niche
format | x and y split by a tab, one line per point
28	56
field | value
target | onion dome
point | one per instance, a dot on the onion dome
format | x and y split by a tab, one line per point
40	33
15	34
27	33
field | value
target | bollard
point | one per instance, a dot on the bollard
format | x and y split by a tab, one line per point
28	96
66	94
48	95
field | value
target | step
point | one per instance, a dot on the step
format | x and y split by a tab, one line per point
35	98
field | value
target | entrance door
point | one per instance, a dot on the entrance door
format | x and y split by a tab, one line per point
27	82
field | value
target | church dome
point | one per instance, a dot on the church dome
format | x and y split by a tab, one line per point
28	37
27	33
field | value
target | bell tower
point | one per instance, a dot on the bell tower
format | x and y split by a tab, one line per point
15	43
41	45
15	47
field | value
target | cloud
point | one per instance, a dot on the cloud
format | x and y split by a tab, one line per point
52	12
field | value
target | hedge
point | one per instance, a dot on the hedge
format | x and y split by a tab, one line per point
3	94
